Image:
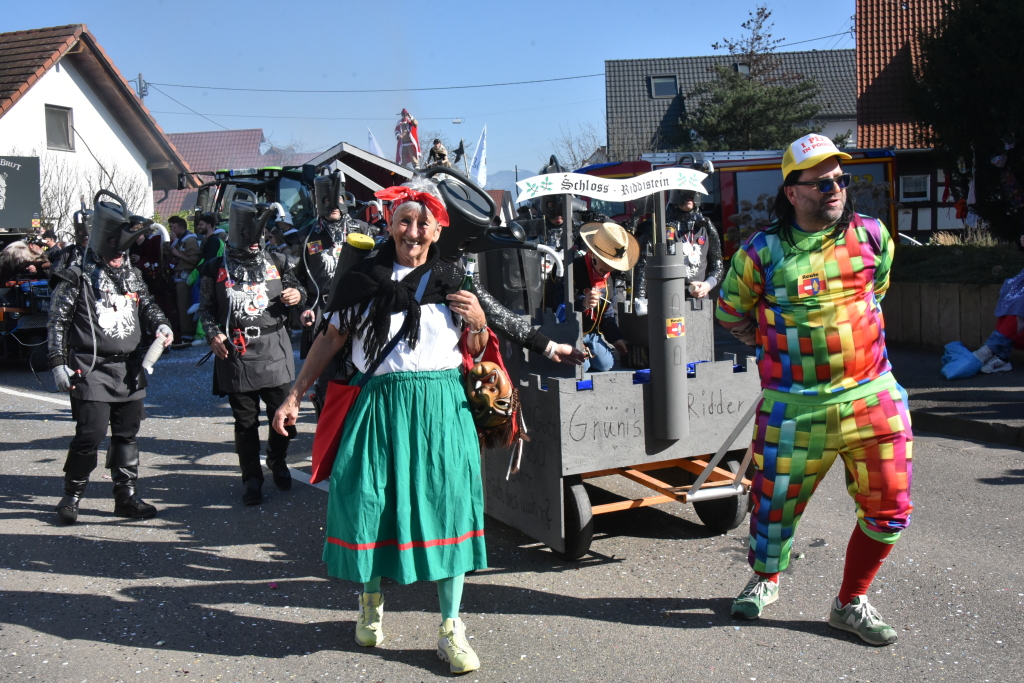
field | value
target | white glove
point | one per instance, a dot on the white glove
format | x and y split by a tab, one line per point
640	306
165	331
62	375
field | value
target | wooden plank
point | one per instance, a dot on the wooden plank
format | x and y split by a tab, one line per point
930	304
892	312
987	299
970	316
911	328
949	313
697	467
653	484
630	504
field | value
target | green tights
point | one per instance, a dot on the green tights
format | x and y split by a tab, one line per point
449	593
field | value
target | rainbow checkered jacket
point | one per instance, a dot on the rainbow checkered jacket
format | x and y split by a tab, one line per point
820	330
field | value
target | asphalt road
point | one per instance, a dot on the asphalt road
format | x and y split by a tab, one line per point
212	591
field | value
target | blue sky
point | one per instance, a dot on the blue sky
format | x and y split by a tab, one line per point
388	44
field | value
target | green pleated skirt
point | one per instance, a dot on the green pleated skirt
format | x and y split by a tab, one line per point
406	497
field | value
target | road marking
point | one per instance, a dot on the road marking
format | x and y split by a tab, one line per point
65	404
304	478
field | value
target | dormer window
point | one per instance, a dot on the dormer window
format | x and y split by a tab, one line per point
664	86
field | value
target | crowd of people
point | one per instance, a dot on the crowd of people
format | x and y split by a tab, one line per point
406	496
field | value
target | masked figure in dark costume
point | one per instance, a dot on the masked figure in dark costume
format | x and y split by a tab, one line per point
689	231
320	257
72	254
101	316
244	300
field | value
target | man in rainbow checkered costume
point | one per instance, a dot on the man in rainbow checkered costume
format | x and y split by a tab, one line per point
806	292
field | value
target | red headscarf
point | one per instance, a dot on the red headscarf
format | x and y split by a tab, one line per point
399	195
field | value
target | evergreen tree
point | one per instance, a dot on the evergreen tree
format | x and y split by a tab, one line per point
970	96
766	108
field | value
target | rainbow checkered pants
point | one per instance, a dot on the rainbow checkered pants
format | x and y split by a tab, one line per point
794	447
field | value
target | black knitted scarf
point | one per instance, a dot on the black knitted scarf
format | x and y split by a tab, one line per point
370	282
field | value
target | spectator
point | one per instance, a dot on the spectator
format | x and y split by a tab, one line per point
185	250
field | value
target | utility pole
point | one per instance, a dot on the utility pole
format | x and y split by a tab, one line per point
141	88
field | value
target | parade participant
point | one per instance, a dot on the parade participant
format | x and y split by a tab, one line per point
186	254
609	248
806	290
22	258
438	155
320	257
71	255
690	232
243	308
407	135
406	496
101	314
206	225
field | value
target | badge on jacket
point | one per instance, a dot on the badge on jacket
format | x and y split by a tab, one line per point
272	273
812	284
315	247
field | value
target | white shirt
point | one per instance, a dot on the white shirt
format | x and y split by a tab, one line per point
436	349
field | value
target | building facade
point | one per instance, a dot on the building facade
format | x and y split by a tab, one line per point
63	100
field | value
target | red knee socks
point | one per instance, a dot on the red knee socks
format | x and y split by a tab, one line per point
864	557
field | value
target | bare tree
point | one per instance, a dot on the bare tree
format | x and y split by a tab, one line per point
757	47
59	192
133	188
573	149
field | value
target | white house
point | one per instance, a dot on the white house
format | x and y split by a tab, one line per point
63	100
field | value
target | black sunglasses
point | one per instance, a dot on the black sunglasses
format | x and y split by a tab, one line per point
826	185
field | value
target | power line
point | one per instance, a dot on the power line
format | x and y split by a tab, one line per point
370	118
376	90
188	107
810	40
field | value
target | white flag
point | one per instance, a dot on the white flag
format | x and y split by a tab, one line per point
478	169
374	147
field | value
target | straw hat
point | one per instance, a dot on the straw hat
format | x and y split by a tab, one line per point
612	244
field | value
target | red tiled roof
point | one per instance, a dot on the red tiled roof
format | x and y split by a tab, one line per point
887	50
25	56
217	149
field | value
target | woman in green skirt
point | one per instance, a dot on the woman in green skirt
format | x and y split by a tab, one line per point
406	494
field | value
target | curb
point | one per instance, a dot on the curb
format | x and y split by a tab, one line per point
958	427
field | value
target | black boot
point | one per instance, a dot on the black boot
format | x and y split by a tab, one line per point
126	502
253	493
279	468
67	508
123	461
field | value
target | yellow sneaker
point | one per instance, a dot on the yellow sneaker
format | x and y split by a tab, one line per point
453	647
371	610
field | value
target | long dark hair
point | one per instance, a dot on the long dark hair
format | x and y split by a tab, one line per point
784	213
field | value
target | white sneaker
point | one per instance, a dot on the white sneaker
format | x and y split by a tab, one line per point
996	364
453	647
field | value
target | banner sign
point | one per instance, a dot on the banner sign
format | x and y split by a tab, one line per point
612	189
19	192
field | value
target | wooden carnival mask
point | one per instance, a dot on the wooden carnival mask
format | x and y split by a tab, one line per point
490	395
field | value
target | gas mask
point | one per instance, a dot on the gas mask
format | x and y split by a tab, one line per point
329	192
491	396
112	230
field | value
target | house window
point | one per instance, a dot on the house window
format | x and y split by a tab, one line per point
914	187
59	132
664	86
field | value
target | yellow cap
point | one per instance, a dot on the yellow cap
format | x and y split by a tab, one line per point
810	150
360	241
